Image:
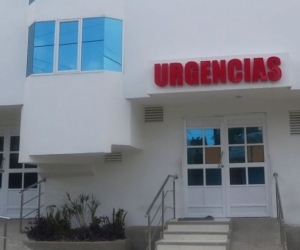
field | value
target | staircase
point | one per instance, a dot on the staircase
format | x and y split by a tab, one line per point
196	235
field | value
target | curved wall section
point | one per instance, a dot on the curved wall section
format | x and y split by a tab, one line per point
79	113
44	10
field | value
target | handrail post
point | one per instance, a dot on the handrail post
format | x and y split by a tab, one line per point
34	185
278	203
149	232
280	216
21	211
163	213
174	201
5	235
39	202
162	206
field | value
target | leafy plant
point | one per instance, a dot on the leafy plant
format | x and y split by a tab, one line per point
81	212
58	217
119	222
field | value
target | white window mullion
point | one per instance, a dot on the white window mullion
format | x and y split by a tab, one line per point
80	25
56	46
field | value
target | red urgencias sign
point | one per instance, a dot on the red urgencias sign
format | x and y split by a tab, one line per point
218	71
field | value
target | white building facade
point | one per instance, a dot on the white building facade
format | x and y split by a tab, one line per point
108	97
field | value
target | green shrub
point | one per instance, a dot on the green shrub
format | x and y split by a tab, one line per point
86	226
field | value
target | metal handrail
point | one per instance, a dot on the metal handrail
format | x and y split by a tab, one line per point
4	237
32	185
38	209
161	206
280	216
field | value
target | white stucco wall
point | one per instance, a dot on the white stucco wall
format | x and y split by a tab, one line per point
44	10
133	183
76	113
174	30
13	51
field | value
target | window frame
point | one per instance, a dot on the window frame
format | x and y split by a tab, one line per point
79	49
56	46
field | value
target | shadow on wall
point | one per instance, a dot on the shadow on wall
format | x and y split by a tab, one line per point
293	238
138	237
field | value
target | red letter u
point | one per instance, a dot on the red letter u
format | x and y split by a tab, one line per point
161	72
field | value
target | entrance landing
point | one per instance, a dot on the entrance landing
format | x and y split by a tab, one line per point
255	234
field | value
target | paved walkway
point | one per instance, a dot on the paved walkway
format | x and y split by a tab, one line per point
15	239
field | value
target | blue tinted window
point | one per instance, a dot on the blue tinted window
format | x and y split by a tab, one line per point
256	175
237	176
254	135
237	154
101	46
236	135
113	45
195	177
212	136
41	48
194	137
195	155
92	44
68	46
213	177
31	1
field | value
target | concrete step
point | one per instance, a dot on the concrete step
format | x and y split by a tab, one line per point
194	235
192	245
199	226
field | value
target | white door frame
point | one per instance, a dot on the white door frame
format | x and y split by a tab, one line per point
225	161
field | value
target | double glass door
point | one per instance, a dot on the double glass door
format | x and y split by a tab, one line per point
225	169
14	176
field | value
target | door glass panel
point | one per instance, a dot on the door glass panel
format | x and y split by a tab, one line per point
213	177
212	136
15	180
212	155
236	136
255	153
237	154
29	179
194	137
237	176
14	143
195	155
256	175
254	135
1	143
1	159
13	161
195	177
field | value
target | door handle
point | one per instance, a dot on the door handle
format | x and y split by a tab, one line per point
220	162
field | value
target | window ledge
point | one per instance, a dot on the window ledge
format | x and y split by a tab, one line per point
74	72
